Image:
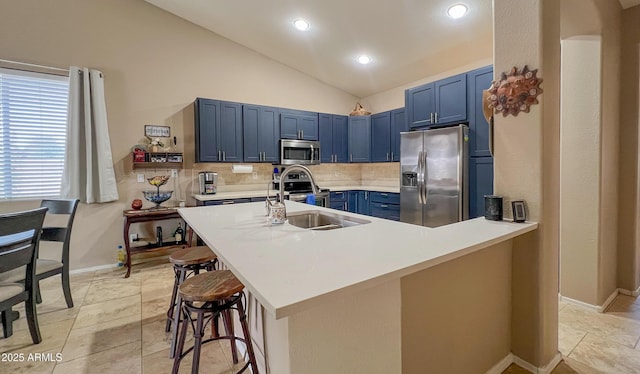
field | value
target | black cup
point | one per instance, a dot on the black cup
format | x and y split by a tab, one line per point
493	207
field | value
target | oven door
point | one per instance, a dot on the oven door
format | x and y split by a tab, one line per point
301	152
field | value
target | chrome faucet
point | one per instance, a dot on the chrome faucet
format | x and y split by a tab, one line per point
292	168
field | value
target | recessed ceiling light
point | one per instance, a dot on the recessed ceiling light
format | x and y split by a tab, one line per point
364	59
457	11
301	24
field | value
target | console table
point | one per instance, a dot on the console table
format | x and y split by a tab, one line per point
146	215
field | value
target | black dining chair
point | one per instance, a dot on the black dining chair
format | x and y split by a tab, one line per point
19	235
46	268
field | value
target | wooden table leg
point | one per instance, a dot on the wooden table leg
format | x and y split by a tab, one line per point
127	246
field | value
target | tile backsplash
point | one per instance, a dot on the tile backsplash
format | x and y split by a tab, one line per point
327	175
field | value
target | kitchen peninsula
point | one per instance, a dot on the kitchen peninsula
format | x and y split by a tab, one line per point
349	300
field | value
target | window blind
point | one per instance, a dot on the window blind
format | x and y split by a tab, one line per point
33	130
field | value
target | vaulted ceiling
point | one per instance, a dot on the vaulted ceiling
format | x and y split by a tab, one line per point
408	40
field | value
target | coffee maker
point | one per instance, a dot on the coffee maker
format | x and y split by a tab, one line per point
208	182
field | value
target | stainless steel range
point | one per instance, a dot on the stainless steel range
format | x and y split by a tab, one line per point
298	186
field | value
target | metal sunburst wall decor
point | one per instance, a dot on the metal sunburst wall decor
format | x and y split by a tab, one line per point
515	92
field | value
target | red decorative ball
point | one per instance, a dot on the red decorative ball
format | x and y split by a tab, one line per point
136	204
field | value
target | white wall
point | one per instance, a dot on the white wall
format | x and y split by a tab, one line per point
580	146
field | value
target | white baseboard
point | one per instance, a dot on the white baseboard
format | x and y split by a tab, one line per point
595	308
548	368
524	364
579	303
600	308
502	365
93	268
609	300
513	359
635	293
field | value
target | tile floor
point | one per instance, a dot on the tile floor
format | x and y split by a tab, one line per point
117	326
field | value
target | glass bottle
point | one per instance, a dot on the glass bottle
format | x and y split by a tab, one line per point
179	234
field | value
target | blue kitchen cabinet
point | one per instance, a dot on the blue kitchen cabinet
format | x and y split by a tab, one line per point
363	203
477	81
218	131
480	184
334	138
298	124
385	135
381	137
398	125
385	205
261	131
437	103
207	114
338	200
352	201
358	202
359	138
420	103
451	99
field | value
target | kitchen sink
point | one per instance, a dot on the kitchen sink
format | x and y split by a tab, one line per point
317	220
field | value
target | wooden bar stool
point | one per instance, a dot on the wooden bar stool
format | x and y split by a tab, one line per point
186	261
208	295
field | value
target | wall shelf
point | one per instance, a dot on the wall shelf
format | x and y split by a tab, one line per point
157	160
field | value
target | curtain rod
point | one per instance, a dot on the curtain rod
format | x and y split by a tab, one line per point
49	69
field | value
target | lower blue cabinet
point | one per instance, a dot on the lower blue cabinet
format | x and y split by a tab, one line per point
359	202
385	205
338	200
480	184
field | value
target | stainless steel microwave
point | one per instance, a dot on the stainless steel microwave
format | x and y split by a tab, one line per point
302	152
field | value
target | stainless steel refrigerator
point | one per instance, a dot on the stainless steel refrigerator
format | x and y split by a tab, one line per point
433	176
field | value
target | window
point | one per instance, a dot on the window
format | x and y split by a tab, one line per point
33	130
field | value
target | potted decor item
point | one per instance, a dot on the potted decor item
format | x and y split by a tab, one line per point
156	196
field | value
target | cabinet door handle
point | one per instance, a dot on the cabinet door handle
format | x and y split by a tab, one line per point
431	117
384	206
436	117
228	202
351	157
391	156
366	195
384	194
302	132
387	156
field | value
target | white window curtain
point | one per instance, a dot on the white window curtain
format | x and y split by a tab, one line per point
88	168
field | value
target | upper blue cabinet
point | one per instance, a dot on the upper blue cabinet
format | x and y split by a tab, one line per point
436	103
261	129
381	137
478	80
398	125
359	138
334	138
298	124
385	135
218	131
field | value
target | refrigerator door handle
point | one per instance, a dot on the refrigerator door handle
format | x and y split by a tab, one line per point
419	177
425	177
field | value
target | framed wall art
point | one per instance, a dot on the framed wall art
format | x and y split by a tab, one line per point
154	131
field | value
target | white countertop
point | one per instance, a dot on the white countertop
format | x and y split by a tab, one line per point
263	193
290	269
